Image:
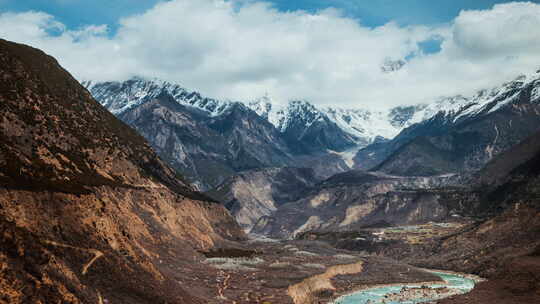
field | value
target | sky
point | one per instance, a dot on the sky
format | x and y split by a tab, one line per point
329	52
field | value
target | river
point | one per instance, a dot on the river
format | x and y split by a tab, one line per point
411	293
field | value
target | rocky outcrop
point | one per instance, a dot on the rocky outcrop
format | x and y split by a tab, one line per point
88	212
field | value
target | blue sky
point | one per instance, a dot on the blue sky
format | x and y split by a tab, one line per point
405	12
76	13
241	52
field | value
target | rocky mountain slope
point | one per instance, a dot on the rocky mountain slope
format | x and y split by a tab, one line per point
356	199
460	134
504	247
88	212
253	194
208	148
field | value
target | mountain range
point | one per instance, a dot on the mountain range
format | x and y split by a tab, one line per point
209	140
361	126
99	200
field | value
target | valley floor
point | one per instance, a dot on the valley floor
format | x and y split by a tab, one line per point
293	272
312	270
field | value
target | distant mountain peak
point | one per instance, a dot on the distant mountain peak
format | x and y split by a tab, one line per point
262	106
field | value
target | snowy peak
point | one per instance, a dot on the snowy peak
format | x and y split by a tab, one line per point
297	113
402	116
364	123
262	106
441	105
119	97
458	108
460	134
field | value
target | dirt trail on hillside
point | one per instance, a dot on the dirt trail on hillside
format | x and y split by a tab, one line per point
97	254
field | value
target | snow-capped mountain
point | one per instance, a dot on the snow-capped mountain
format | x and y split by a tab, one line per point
368	124
460	133
359	126
313	128
208	140
362	124
119	97
458	108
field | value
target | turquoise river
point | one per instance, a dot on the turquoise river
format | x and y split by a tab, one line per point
457	283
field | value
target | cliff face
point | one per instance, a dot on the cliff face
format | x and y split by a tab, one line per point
88	212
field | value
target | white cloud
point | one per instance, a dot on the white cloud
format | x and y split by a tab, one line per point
509	30
243	49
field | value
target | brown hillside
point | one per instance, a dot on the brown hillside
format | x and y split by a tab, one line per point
88	212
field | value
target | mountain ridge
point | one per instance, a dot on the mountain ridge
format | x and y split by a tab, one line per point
120	96
362	125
